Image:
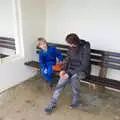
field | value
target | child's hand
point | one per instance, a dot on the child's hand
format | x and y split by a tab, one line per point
62	73
45	71
65	76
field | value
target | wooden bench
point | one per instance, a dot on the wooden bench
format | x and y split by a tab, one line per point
7	43
103	59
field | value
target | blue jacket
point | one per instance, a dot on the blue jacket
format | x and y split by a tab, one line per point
49	57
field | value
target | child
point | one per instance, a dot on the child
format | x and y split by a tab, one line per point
77	67
47	59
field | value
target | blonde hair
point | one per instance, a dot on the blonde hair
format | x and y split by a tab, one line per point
40	39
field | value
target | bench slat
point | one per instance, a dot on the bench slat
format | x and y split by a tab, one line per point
7	42
7	46
112	60
112	66
58	45
33	64
103	81
97	51
7	39
3	56
105	53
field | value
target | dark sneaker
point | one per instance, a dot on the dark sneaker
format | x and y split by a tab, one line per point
75	105
50	108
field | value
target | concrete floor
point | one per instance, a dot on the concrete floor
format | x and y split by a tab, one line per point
28	100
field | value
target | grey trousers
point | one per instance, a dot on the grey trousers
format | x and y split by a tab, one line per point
75	84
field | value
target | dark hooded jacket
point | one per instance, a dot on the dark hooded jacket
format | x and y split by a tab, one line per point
78	59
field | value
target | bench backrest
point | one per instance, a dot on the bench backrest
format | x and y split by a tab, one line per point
8	43
104	59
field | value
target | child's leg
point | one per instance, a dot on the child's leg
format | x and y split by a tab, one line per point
75	83
59	88
49	75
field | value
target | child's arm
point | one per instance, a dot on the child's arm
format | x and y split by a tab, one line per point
66	62
59	55
41	60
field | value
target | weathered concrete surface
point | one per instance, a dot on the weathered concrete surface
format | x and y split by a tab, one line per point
28	100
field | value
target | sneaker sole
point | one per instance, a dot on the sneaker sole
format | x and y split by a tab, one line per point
74	107
48	113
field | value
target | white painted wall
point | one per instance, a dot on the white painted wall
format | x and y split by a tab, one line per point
6	18
7	51
33	25
95	20
33	22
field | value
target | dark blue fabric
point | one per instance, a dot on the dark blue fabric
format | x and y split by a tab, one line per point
47	59
49	74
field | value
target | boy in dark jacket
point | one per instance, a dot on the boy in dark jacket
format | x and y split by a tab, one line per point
76	67
47	58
